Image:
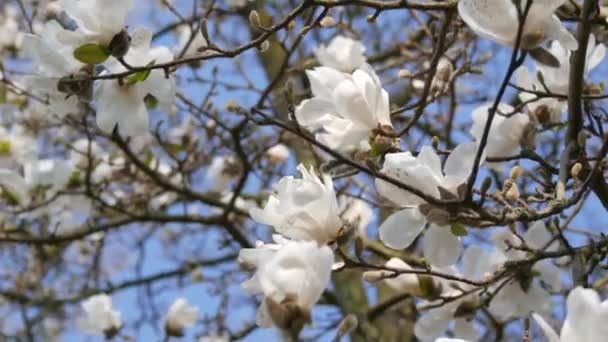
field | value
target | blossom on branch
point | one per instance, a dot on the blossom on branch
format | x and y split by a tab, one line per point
100	317
342	53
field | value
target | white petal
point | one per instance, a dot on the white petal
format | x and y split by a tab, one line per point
550	334
433	324
400	229
441	247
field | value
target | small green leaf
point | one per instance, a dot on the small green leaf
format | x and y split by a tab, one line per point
91	53
5	147
140	76
75	180
174	148
459	229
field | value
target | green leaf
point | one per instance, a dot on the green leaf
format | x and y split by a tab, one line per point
140	76
459	229
5	147
2	94
91	53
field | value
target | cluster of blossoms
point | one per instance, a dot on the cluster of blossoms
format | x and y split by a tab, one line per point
101	318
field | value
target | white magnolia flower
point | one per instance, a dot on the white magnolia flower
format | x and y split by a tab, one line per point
545	110
345	109
123	104
303	208
16	147
555	80
436	321
180	315
498	20
424	172
342	53
221	171
513	300
403	283
98	20
100	317
185	35
356	212
292	277
506	133
278	153
586	317
52	56
9	27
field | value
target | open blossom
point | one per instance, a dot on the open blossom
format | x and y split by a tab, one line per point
356	212
345	108
506	133
52	58
291	277
185	38
342	53
98	20
303	208
586	317
424	172
556	80
123	104
498	20
180	315
99	316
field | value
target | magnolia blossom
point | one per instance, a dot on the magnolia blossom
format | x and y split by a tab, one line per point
16	147
424	172
222	170
98	20
277	154
342	53
9	27
549	110
436	321
345	109
586	317
292	278
181	315
303	208
498	20
403	283
99	317
506	133
185	38
356	212
123	104
52	57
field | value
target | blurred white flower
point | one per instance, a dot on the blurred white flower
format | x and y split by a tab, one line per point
303	208
9	27
185	37
345	109
99	316
52	57
498	20
586	317
342	53
98	20
278	153
180	315
506	133
545	110
16	147
292	278
424	172
221	171
116	99
356	212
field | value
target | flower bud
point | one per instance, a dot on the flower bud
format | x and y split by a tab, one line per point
264	46
576	170
119	45
515	172
404	73
277	154
560	191
254	19
327	21
513	192
348	324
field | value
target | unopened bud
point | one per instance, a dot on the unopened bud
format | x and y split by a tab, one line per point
264	46
348	324
576	170
404	73
515	172
119	45
513	192
327	21
291	25
231	106
277	154
375	276
254	19
435	142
